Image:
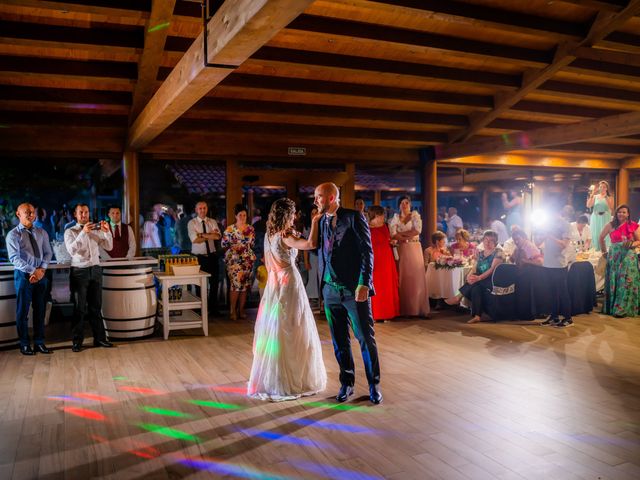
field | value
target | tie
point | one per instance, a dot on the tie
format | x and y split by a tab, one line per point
206	242
34	244
117	233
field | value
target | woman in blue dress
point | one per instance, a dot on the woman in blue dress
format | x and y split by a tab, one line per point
601	203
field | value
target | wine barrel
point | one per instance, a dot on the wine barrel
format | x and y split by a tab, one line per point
8	332
128	301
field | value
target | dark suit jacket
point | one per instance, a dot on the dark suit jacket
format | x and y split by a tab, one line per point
352	255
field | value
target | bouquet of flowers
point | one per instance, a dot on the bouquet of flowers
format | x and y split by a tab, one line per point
448	263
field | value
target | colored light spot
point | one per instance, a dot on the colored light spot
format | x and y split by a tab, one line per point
210	404
146	391
334	426
145	451
160	26
224	468
506	139
67	398
168	432
166	413
120	378
330	471
339	406
84	413
98	438
92	396
223	388
267	347
279	437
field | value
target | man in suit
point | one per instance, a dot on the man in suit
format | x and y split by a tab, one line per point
124	240
345	265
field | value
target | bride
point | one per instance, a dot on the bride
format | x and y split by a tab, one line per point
287	355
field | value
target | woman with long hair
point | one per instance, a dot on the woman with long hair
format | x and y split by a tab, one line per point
601	203
287	354
405	227
385	304
622	276
237	241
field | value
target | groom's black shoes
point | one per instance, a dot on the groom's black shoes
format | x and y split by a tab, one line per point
375	395
345	392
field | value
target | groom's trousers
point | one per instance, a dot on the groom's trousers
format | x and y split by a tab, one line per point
342	310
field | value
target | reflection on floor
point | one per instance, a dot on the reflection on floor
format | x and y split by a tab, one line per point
461	401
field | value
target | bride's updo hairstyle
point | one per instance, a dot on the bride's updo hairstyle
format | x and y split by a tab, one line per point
280	215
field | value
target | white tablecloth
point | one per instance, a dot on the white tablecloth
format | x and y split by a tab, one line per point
445	283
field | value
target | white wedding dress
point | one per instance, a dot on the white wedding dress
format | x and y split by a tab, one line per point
287	355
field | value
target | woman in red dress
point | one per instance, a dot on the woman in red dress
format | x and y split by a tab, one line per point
385	304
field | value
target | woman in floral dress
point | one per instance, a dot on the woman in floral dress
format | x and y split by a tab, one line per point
237	241
622	276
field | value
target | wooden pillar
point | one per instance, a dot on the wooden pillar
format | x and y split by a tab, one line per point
348	191
429	199
131	193
622	186
377	197
484	212
234	189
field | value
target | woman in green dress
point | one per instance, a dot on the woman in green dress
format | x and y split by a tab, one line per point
602	204
622	277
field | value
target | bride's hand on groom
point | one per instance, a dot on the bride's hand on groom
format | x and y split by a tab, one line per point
317	217
362	293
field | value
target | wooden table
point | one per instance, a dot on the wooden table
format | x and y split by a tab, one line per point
187	304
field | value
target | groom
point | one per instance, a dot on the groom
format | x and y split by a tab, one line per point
345	265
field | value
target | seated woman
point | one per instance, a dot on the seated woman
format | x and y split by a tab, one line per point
526	253
463	246
622	276
437	249
479	280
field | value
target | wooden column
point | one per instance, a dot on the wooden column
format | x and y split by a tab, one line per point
622	186
429	199
377	197
234	189
131	194
348	191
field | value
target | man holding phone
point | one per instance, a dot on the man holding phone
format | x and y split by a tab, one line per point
83	241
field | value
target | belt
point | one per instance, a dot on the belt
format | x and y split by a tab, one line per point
409	241
601	213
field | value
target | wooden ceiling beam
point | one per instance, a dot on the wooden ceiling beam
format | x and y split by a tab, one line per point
68	67
531	161
603	25
607	6
236	31
613	126
606	55
115	10
154	40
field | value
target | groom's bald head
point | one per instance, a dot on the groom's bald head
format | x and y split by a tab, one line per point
326	195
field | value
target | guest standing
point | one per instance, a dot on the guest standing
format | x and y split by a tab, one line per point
124	241
622	276
386	303
512	204
238	240
83	241
602	203
150	233
203	232
29	250
454	223
405	227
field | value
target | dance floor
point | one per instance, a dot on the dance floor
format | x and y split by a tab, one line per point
488	401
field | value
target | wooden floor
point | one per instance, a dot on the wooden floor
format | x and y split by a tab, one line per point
460	402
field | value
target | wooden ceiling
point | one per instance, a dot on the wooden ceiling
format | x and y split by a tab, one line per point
347	79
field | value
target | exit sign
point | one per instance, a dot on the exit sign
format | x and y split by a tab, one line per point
297	151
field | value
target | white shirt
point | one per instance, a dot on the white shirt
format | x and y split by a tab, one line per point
195	227
84	247
453	225
396	225
131	252
500	228
579	240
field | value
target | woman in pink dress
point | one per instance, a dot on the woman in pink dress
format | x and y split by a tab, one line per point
405	227
385	304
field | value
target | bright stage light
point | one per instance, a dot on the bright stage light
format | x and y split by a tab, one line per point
539	218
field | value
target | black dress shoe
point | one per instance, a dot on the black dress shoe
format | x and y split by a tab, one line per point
76	347
26	350
42	349
375	395
345	392
103	343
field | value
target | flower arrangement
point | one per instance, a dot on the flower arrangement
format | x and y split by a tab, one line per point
448	263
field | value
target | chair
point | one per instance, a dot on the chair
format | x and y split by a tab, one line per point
582	287
500	302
